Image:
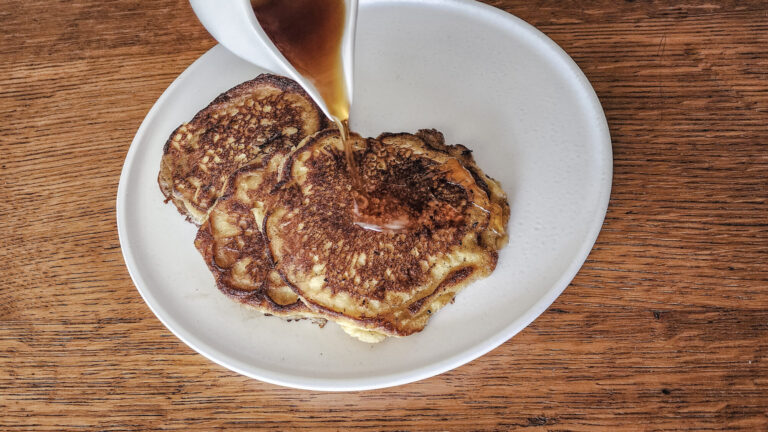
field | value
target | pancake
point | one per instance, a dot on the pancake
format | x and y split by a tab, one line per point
495	236
269	113
378	284
231	243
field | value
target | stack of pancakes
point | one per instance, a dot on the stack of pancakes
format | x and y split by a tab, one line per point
265	177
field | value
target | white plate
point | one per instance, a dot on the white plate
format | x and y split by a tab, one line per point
483	77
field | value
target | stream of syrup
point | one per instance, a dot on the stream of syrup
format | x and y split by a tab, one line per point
309	34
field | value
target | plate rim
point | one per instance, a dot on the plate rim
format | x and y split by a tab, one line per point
603	142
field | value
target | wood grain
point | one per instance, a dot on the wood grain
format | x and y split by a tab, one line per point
664	328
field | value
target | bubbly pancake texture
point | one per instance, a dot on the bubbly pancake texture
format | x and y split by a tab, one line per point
495	236
268	184
266	114
234	249
379	284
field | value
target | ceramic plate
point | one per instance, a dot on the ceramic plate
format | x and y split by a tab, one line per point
487	80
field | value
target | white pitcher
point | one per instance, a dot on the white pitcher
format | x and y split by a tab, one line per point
234	25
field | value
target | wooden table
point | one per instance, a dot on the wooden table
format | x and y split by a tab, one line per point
664	328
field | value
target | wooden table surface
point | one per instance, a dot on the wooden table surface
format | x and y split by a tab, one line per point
664	328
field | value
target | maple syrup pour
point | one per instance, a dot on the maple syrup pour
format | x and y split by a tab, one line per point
309	34
362	211
371	214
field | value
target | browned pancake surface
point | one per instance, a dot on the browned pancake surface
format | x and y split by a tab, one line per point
265	114
235	251
386	282
237	161
495	236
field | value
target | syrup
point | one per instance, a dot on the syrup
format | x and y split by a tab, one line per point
309	34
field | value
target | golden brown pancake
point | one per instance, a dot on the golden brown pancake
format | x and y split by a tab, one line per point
269	113
379	284
273	198
234	249
495	236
